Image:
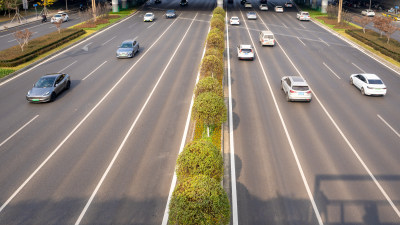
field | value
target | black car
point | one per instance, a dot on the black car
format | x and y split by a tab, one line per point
170	14
183	3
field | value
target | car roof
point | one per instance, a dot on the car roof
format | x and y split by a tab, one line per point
245	46
370	76
298	80
51	75
128	41
266	32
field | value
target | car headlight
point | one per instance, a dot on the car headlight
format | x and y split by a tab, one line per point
29	93
47	93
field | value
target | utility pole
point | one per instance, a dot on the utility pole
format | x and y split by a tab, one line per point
340	11
94	9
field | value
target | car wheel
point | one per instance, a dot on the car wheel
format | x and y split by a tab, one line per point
68	85
53	97
287	98
351	81
362	91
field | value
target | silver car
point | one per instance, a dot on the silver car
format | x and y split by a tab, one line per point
296	89
252	15
48	87
128	49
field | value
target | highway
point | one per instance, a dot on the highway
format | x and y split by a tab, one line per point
334	160
104	152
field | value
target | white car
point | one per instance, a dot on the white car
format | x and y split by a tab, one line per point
368	12
263	7
247	5
369	84
245	52
148	17
267	38
296	89
234	20
252	15
60	16
303	16
279	8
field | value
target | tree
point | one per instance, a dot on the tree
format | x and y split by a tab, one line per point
215	52
45	3
219	10
23	37
389	28
200	157
379	23
362	21
217	23
199	200
212	66
215	40
209	108
208	84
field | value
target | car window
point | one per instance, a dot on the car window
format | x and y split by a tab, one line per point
268	36
60	78
246	50
288	82
126	45
45	82
306	13
300	88
375	82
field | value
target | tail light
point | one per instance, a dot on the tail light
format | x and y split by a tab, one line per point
308	92
291	91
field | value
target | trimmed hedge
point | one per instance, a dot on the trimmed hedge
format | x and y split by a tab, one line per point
367	39
13	56
200	157
209	108
216	31
216	41
219	10
220	17
217	23
215	52
212	66
199	200
208	84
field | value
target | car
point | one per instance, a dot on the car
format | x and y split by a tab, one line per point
48	87
245	52
267	38
369	84
127	49
368	12
183	3
63	16
251	15
247	5
288	5
148	17
278	8
263	7
296	88
302	15
170	14
242	2
234	20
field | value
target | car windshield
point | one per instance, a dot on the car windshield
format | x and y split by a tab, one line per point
57	15
170	11
375	82
304	14
252	13
269	36
300	88
246	50
126	45
234	18
149	14
45	82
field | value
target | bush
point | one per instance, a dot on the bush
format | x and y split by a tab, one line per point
216	41
212	66
217	23
200	157
216	31
215	52
199	200
219	10
208	84
220	17
209	108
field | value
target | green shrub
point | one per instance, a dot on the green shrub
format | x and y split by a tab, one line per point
212	66
208	84
4	72
217	23
216	31
220	17
219	10
217	41
199	200
200	157
215	52
209	108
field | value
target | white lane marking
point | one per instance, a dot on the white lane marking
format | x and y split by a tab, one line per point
108	41
299	166
387	124
73	130
185	18
302	25
66	50
12	40
174	178
358	67
349	144
68	66
356	46
12	135
78	221
301	41
235	215
151	25
94	70
331	70
285	25
323	41
86	47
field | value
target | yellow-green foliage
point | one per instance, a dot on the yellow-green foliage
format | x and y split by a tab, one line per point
212	66
219	10
208	84
215	52
220	17
217	23
209	108
46	3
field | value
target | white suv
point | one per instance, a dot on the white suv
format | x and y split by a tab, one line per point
296	89
267	38
245	52
303	16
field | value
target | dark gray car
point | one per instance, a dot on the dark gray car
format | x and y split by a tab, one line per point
128	49
48	87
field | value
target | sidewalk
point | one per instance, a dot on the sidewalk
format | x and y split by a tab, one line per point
26	20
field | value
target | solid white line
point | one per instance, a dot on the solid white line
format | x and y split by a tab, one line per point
73	130
151	25
94	70
174	178
11	136
301	41
12	40
300	168
358	68
331	70
133	124
66	50
324	42
108	41
235	215
68	66
387	124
